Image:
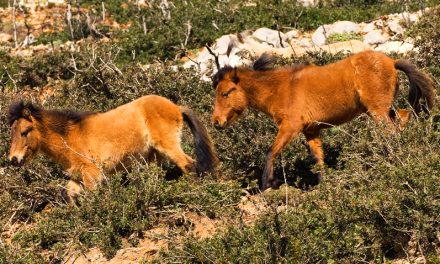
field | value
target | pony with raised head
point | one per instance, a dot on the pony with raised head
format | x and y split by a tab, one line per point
88	145
307	98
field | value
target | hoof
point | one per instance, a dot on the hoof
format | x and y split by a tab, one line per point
274	184
66	198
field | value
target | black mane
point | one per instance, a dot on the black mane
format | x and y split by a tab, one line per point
220	75
263	63
57	120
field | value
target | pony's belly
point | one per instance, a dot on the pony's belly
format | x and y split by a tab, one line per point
333	116
130	160
335	108
344	117
114	153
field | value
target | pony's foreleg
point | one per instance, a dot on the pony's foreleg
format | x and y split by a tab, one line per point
284	136
91	176
71	192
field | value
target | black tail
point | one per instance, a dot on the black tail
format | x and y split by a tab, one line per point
420	87
205	152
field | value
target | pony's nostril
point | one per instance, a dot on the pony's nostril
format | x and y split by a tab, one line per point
14	161
217	125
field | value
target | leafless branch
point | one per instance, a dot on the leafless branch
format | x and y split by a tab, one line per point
14	22
217	63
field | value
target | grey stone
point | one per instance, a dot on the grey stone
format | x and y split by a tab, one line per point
394	26
321	34
374	37
271	37
292	34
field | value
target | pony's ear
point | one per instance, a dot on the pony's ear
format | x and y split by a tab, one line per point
26	113
235	78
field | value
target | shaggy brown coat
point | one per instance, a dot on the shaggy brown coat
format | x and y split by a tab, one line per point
308	98
88	145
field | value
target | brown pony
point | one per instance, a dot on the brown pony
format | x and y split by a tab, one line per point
307	98
88	145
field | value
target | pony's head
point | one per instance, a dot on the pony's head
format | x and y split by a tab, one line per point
230	98
26	138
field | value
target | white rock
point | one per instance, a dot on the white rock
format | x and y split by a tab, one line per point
319	37
369	27
307	3
341	27
395	46
222	43
304	42
28	40
374	37
380	24
292	34
394	26
4	37
271	37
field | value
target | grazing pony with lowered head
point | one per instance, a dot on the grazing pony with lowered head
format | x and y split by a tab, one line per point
88	145
307	98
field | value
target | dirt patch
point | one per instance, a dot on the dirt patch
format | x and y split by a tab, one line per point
154	240
197	225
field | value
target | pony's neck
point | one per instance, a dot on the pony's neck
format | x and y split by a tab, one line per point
53	144
259	90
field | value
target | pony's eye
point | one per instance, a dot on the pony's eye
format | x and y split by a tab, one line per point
225	94
26	132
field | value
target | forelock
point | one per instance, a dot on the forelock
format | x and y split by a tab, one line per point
16	111
220	75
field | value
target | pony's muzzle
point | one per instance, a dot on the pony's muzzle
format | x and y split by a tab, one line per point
217	124
15	161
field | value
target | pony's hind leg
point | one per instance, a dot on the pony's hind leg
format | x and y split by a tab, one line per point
170	147
378	108
315	146
400	117
376	94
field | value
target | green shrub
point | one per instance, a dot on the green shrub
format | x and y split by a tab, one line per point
365	212
426	35
343	37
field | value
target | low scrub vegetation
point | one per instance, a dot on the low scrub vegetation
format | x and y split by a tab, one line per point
379	198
